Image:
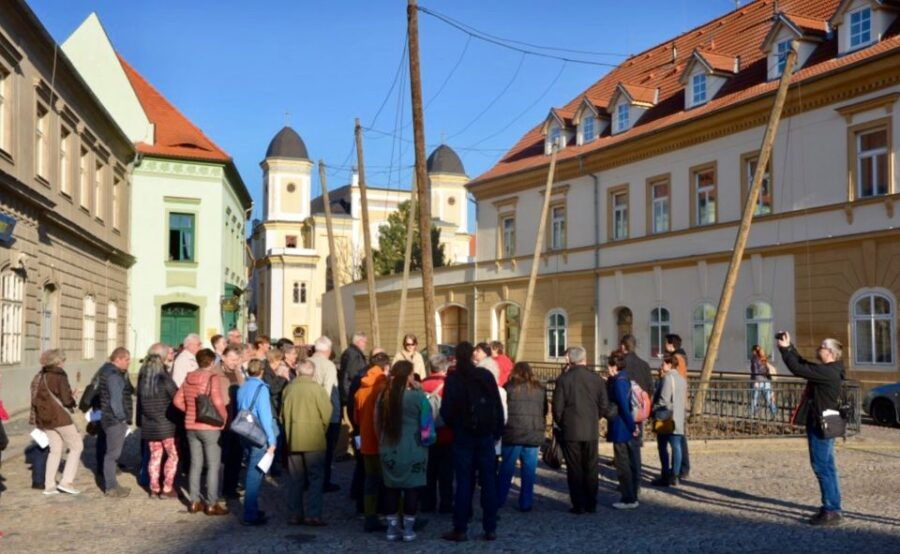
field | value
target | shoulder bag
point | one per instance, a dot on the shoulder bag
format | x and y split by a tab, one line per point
245	424
204	410
553	454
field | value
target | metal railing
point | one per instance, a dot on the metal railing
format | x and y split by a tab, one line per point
735	408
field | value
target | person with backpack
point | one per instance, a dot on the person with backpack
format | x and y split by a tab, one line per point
116	407
156	418
670	405
820	412
526	423
253	397
638	369
52	403
471	408
364	403
624	432
440	454
201	388
579	401
405	429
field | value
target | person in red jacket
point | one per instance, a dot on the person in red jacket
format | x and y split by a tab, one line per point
504	364
440	454
203	438
365	401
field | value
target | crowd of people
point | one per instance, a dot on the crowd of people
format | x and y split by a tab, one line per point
423	434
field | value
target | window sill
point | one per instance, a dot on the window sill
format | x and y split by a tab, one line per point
6	156
873	367
66	195
42	180
84	210
174	264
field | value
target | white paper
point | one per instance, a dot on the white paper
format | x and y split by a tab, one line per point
40	438
92	415
266	462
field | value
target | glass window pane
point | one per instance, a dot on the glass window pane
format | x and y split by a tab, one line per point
873	140
864	306
882	305
864	342
883	342
880	163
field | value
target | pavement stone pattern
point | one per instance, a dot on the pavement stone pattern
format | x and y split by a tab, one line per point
743	496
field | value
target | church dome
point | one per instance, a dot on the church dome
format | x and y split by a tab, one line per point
287	144
444	160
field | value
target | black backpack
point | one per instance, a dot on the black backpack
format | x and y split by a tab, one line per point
91	396
480	417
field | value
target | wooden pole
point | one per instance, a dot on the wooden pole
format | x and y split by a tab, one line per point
740	241
422	184
407	260
367	238
335	260
536	260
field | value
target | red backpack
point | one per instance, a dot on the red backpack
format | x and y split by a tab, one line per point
640	403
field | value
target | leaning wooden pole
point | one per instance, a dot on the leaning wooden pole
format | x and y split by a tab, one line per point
367	238
407	261
335	260
740	242
536	260
422	184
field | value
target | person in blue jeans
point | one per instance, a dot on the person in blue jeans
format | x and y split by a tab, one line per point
475	432
526	408
670	401
823	390
253	396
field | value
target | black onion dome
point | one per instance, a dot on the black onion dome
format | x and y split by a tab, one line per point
287	144
445	160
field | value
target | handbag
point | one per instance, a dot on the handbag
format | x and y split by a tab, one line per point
833	424
553	454
204	409
246	426
91	394
663	424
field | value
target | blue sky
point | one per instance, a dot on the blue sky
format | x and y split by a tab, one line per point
235	68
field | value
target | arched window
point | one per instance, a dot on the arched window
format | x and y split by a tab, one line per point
112	327
296	293
88	327
702	319
12	295
48	317
303	293
556	334
873	328
758	319
659	328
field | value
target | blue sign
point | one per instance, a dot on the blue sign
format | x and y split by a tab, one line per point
7	224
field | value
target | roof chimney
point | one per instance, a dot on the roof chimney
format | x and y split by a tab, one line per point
674	52
354	180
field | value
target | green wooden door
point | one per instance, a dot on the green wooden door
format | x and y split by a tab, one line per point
178	321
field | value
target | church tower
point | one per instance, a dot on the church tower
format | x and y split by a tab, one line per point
286	178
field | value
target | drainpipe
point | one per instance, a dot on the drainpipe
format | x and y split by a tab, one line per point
596	259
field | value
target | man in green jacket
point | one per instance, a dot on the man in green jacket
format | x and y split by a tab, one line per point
305	411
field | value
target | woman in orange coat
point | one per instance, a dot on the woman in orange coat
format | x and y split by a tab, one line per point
365	401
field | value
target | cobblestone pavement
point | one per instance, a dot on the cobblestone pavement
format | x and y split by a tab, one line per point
743	496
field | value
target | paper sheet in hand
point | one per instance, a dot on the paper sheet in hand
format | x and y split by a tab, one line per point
92	415
40	438
266	462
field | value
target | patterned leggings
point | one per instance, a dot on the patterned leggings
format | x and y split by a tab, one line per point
156	454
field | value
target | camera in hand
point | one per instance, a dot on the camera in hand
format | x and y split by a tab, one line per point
780	335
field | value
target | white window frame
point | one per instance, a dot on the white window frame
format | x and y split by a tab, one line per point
871	157
12	313
705	323
99	178
870	294
555	137
782	49
661	322
588	123
856	38
623	116
752	163
554	332
65	161
84	177
698	89
557	227
115	216
112	326
89	327
41	141
764	335
658	203
508	236
704	192
620	216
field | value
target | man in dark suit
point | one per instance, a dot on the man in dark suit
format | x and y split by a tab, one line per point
579	401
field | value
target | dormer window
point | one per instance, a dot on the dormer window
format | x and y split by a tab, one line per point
782	50
554	136
622	117
698	89
860	28
587	129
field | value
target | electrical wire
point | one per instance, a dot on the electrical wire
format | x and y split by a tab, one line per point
494	100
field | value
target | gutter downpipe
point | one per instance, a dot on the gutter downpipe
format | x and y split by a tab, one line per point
596	259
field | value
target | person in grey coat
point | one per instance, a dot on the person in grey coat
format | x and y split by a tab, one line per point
669	405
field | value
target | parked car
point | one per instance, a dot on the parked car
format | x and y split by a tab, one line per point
883	404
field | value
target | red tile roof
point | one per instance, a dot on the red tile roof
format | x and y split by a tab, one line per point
175	135
809	25
640	94
740	33
718	61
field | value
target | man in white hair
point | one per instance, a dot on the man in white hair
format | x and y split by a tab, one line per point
819	411
326	376
186	361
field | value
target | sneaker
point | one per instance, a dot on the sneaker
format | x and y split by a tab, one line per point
625	505
50	492
409	528
393	530
118	492
826	519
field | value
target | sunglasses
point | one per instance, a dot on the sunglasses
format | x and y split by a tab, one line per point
410	344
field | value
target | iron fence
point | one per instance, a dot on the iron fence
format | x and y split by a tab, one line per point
737	408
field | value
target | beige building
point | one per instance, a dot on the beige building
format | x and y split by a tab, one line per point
655	160
290	245
64	221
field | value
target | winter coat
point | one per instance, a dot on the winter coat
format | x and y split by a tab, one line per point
370	387
416	359
116	397
196	383
579	401
453	404
504	367
526	419
305	413
640	372
622	425
327	378
262	409
156	416
673	396
404	464
46	411
353	363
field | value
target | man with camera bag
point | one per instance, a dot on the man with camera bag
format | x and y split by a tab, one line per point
819	410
